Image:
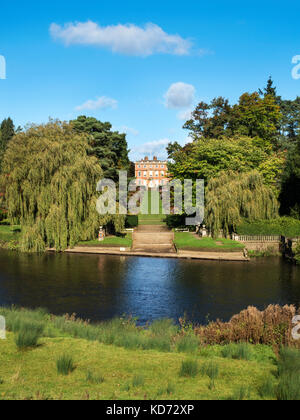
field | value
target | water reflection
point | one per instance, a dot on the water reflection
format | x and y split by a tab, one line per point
101	287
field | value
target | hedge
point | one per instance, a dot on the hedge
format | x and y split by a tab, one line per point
132	221
285	226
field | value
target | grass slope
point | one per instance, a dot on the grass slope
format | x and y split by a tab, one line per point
188	241
117	360
33	375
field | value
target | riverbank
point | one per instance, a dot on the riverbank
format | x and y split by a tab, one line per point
117	360
190	255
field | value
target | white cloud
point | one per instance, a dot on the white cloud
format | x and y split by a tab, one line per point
100	103
155	148
126	39
180	95
152	148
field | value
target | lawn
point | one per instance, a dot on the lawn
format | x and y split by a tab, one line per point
110	241
188	241
122	370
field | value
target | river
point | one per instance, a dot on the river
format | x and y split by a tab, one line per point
102	287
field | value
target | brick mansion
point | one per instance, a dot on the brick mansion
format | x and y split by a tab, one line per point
151	173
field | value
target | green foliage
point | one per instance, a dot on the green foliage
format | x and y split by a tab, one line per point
230	197
241	393
289	375
109	147
290	192
65	365
297	252
28	334
51	187
132	221
189	368
240	351
268	388
138	381
188	343
176	220
210	369
7	131
204	159
285	226
93	378
253	116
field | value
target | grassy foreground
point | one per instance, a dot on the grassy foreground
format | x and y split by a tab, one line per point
188	241
119	373
117	360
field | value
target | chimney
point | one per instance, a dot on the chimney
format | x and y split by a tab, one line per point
155	158
146	159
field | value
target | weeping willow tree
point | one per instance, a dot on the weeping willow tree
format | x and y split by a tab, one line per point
50	187
232	196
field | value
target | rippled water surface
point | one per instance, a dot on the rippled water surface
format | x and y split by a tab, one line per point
102	287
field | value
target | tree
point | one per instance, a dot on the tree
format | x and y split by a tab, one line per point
232	196
109	147
50	185
7	131
210	121
290	191
205	160
270	90
290	126
257	117
253	116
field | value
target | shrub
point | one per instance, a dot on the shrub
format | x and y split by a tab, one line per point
176	221
65	365
26	339
267	389
28	332
189	368
289	361
211	370
289	388
132	221
289	375
162	327
272	327
285	226
240	351
188	344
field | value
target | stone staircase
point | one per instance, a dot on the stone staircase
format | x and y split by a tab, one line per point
154	239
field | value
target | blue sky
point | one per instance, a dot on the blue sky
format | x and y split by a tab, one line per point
141	67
